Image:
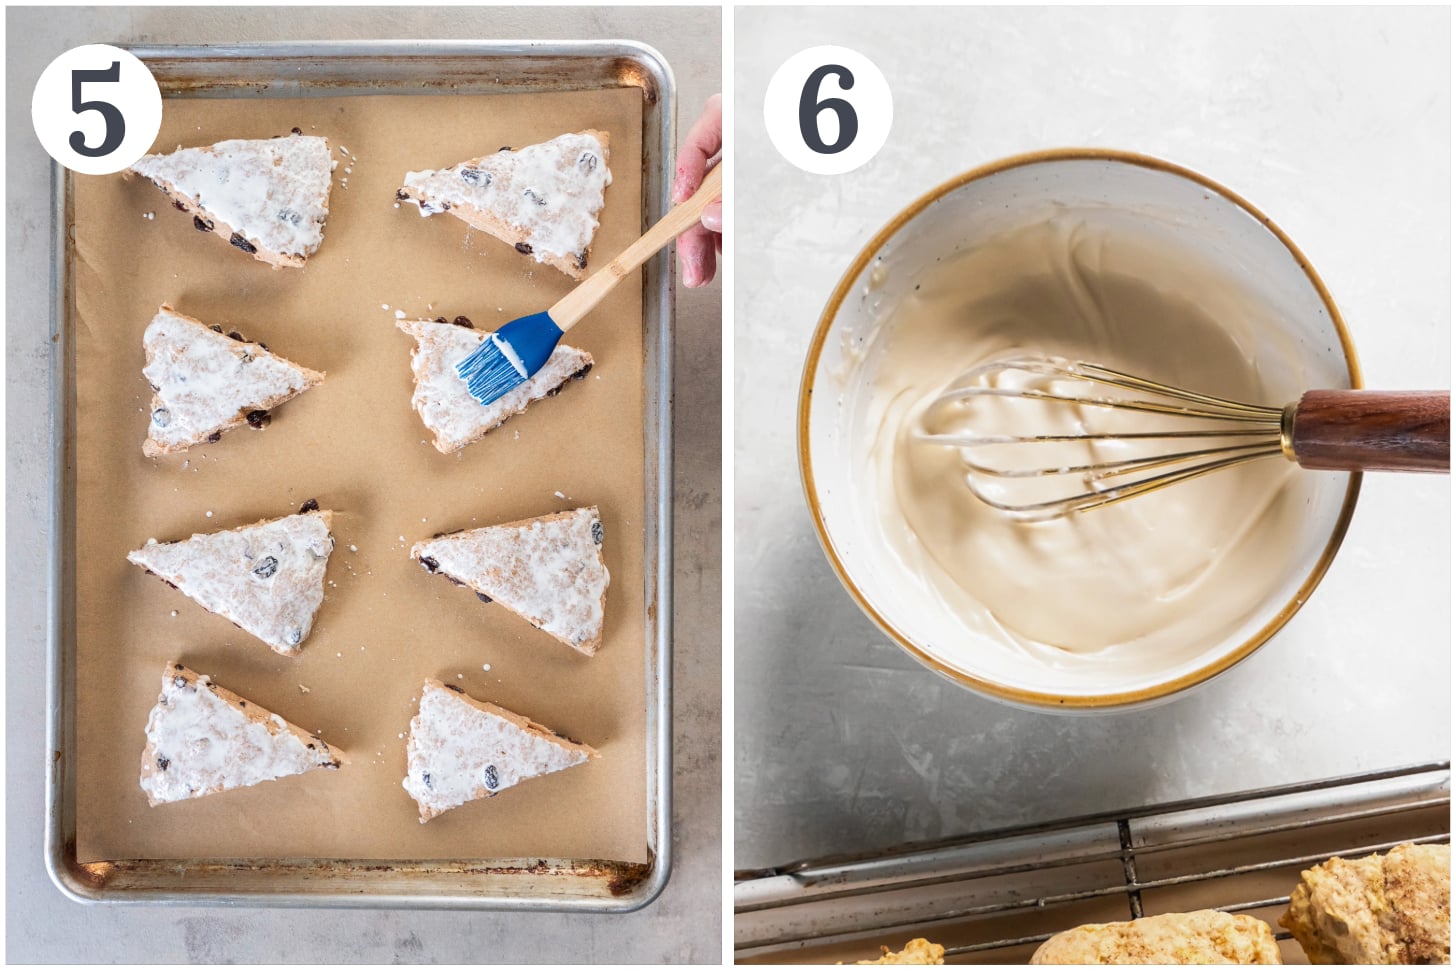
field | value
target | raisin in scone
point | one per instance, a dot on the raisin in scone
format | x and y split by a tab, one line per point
461	749
549	570
444	402
542	199
202	738
269	197
1381	909
205	382
1200	937
268	578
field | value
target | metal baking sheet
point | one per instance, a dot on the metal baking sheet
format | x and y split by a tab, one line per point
386	68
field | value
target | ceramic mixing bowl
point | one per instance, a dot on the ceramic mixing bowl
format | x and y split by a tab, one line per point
970	211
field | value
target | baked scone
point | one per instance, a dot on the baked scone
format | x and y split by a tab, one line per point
549	570
268	578
1390	909
1200	937
918	951
269	197
206	382
202	738
542	199
444	402
462	749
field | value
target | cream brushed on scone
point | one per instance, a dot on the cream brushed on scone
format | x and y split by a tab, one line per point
461	749
444	404
269	197
205	382
1381	909
550	570
202	738
268	578
1200	937
543	199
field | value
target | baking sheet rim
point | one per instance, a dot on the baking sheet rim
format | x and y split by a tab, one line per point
85	883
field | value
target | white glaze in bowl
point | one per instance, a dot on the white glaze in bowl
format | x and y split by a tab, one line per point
1302	344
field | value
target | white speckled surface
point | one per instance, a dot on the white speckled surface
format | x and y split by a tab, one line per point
1337	123
683	925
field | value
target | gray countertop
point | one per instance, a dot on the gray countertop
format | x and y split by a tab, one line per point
684	924
1336	123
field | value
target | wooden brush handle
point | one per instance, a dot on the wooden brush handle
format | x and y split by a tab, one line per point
590	292
1401	431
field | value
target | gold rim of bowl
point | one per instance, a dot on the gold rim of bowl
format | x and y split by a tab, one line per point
992	688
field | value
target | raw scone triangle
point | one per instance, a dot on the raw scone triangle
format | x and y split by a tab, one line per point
268	578
206	382
550	570
202	738
543	199
444	402
462	749
267	196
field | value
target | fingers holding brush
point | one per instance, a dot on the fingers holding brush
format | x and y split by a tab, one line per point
697	254
697	248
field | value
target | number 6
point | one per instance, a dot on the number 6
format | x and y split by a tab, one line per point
809	109
115	123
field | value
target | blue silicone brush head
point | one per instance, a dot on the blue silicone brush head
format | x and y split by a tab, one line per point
508	358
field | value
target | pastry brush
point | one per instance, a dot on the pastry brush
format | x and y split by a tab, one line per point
520	348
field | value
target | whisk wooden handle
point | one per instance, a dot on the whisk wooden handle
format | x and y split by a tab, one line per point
1401	431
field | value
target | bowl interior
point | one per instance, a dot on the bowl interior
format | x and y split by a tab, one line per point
1299	344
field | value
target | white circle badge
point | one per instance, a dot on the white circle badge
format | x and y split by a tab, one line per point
96	109
828	110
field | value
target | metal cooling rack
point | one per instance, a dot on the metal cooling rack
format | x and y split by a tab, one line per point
993	897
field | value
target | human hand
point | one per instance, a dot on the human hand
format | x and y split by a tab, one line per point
698	248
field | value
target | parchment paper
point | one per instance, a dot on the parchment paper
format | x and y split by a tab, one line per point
357	446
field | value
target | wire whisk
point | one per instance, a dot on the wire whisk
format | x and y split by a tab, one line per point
1042	438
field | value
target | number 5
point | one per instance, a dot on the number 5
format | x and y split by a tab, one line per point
115	124
809	109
